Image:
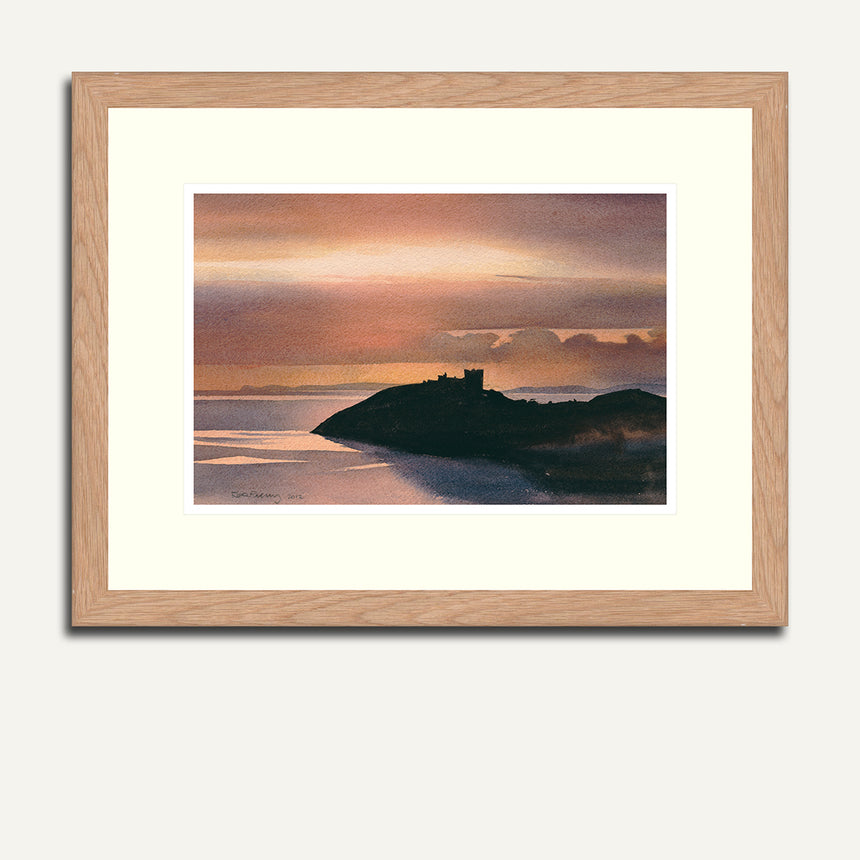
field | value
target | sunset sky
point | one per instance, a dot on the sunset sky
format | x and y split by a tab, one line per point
538	289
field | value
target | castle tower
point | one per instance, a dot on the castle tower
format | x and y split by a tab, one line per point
473	380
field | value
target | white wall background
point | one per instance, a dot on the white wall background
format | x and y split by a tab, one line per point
599	744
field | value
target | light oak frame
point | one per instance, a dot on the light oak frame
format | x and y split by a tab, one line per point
95	605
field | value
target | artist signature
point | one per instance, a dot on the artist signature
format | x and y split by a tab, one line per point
272	498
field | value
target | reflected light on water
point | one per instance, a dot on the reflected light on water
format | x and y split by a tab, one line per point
268	440
244	461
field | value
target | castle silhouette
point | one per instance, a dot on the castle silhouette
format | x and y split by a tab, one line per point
472	381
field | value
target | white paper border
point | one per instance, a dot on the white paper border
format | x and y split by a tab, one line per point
433	510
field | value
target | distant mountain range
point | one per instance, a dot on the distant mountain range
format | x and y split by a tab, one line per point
249	390
650	387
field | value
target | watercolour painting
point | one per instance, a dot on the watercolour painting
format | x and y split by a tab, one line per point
475	345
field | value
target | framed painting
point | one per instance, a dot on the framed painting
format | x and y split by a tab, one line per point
429	349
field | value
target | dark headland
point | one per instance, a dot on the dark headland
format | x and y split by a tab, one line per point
614	443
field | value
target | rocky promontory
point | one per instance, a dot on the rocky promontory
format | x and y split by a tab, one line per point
453	416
